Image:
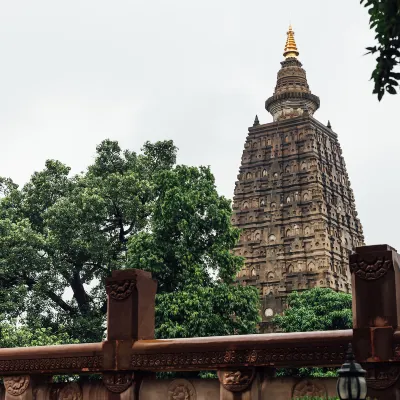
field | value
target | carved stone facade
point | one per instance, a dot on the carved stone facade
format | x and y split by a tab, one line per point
293	200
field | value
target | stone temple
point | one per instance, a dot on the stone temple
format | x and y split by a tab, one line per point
293	200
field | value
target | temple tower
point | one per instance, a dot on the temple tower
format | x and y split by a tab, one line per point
293	199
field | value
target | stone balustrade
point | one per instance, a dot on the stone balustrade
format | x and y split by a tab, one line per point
127	362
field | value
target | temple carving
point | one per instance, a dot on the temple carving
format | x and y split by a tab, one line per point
293	200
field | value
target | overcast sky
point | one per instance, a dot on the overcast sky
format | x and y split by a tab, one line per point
76	72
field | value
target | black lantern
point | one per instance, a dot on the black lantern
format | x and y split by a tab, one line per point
351	384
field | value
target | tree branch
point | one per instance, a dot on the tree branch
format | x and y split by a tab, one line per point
81	297
60	302
30	282
129	230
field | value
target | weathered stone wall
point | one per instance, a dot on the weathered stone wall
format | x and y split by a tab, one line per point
196	389
262	389
180	389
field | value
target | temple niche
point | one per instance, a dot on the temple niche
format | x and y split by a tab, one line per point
293	199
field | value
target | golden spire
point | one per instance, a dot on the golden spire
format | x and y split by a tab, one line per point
290	48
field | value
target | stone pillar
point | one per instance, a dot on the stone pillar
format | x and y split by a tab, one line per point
130	317
131	305
376	316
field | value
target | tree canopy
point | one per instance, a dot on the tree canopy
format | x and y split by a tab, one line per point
385	20
14	335
317	309
61	235
188	250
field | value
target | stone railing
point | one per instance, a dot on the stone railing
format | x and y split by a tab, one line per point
127	361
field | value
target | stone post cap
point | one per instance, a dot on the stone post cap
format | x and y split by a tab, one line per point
129	273
374	248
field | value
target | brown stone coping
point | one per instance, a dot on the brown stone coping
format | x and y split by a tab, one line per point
72	358
218	352
276	349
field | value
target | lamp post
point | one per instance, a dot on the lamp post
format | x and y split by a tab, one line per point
351	384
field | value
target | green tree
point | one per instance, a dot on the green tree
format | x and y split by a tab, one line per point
62	235
188	249
316	309
14	335
385	20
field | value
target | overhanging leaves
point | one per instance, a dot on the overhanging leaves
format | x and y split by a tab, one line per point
385	20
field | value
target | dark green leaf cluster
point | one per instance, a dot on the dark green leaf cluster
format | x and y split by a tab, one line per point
317	309
187	247
62	235
214	310
306	372
385	20
14	335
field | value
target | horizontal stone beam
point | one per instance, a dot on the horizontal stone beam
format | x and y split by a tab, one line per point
211	353
73	358
279	350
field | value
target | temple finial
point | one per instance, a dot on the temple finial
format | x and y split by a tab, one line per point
329	125
290	47
256	121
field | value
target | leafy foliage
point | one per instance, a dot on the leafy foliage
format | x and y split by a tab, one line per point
317	309
188	249
12	335
62	235
306	372
216	310
385	20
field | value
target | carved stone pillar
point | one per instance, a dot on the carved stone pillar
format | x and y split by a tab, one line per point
131	311
130	317
376	301
237	384
131	305
376	316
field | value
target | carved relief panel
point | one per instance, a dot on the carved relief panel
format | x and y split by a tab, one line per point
308	388
16	385
236	381
181	389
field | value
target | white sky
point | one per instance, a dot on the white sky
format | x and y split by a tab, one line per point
75	72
